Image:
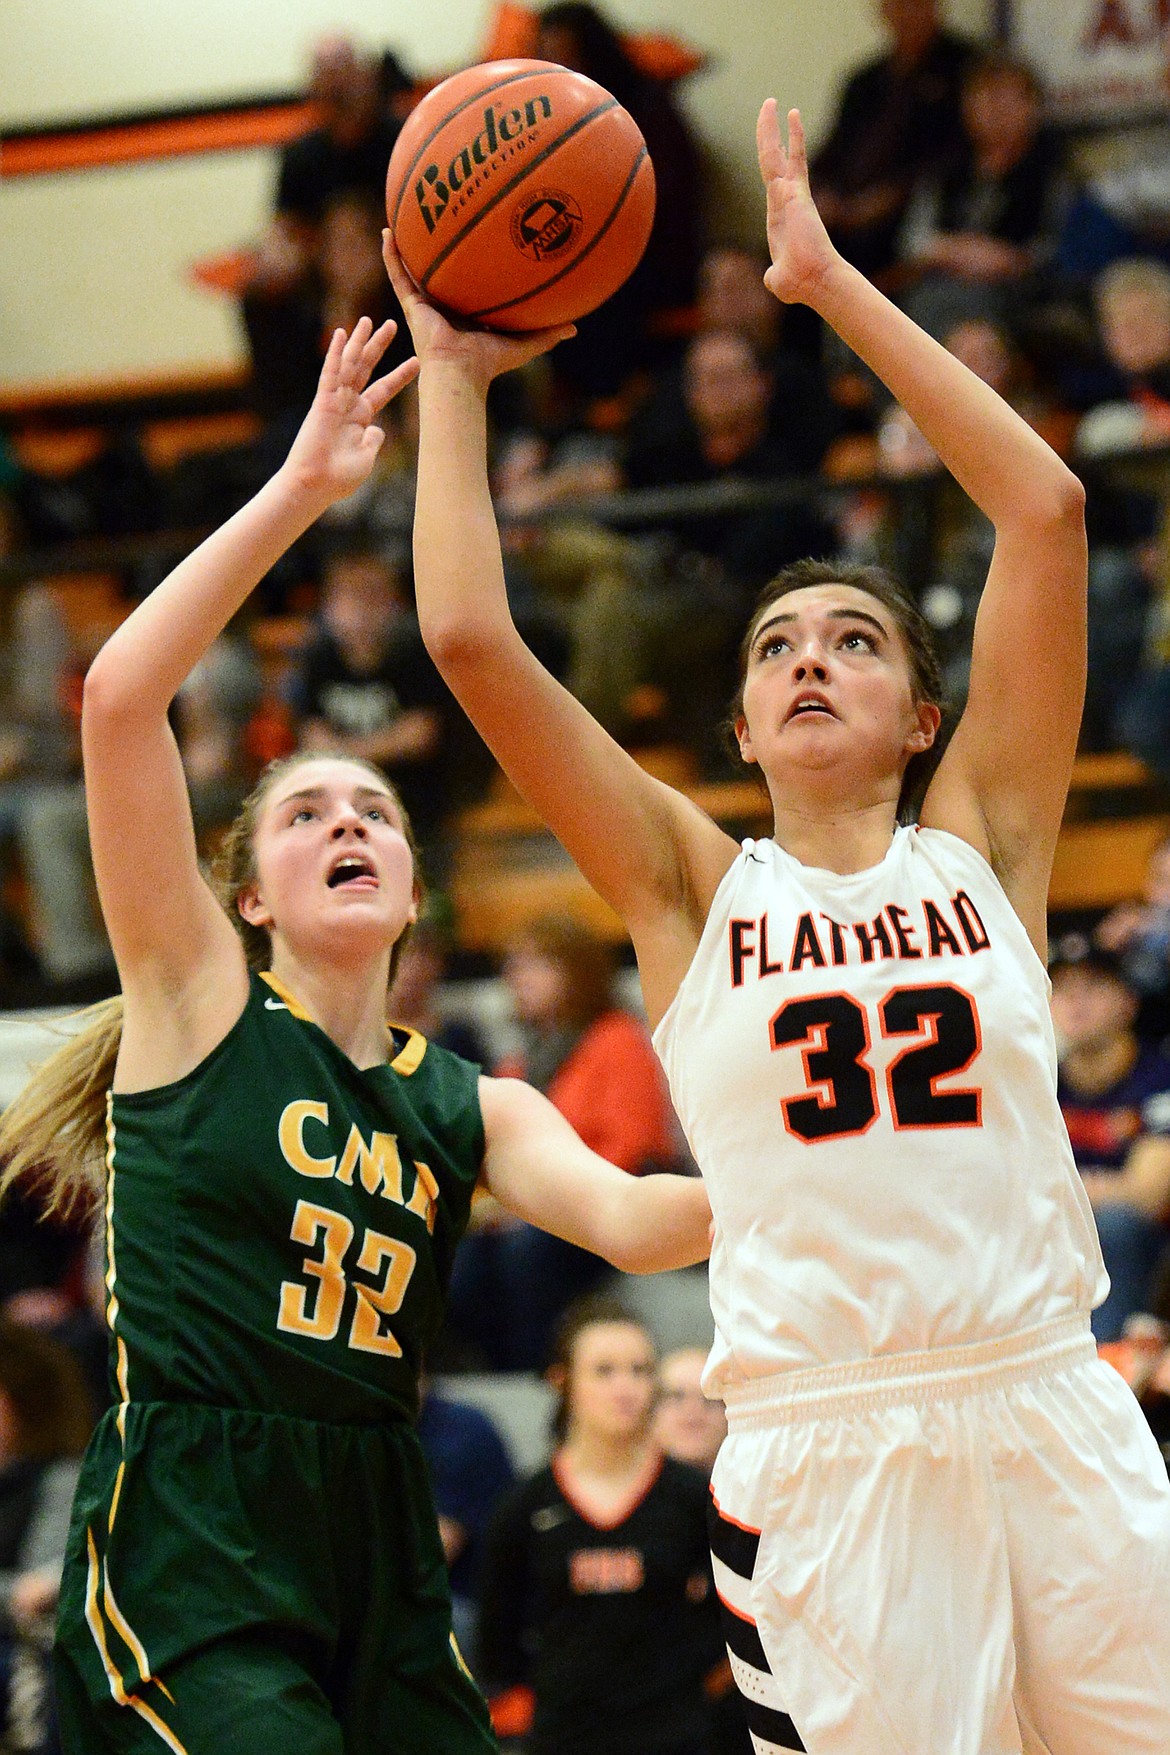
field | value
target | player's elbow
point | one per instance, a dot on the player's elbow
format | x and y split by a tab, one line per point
1055	505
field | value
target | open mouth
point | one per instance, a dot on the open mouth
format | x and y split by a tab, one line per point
353	870
810	704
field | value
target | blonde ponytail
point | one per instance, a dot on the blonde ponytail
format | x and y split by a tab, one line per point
54	1134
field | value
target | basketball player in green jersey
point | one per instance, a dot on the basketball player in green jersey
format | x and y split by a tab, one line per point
254	1564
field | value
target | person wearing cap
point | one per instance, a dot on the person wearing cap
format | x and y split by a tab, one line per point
1114	1093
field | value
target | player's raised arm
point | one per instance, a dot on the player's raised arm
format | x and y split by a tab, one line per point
168	934
1003	781
647	850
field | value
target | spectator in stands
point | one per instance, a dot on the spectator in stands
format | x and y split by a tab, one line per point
1133	489
1139	934
715	424
470	1471
1133	309
1114	1093
365	686
45	1420
42	806
349	148
898	119
594	1061
593	1566
979	231
687	1424
613	342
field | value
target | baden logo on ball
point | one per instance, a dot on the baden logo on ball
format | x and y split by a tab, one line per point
520	195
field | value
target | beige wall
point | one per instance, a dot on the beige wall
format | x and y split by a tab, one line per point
93	272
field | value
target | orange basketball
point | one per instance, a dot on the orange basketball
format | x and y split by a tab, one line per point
520	194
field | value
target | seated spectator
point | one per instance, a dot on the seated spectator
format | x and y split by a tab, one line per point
594	1061
978	232
594	1565
1114	1093
714	423
615	341
470	1470
1133	311
45	1420
365	686
897	119
1138	933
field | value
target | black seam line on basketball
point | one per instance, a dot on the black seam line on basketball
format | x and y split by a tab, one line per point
478	97
771	1726
507	189
742	1639
521	298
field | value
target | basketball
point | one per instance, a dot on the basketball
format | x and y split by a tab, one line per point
520	195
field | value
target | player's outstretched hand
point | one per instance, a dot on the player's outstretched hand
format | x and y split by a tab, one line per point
797	240
485	353
340	436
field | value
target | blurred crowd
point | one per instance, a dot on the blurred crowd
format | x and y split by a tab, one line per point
650	476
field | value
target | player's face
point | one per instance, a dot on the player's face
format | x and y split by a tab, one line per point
828	691
334	868
611	1381
688	1426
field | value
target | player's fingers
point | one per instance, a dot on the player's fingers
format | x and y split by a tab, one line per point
769	147
385	389
377	344
331	368
351	353
797	154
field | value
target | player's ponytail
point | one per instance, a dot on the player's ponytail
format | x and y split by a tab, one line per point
53	1136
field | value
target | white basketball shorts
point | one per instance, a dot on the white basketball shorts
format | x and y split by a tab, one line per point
959	1552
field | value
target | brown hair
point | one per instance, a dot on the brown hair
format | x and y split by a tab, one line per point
44	1384
590	1311
54	1132
914	632
588	962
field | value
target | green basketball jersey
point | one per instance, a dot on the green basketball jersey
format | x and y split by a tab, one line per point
281	1224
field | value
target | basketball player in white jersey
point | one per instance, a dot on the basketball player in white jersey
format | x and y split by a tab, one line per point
940	1525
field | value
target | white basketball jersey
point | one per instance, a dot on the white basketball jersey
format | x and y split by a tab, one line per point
865	1069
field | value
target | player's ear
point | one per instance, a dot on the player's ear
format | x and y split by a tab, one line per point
929	718
251	908
743	738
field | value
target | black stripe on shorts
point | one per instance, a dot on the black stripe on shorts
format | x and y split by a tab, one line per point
732	1543
769	1726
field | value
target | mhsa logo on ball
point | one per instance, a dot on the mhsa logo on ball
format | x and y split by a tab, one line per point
503	134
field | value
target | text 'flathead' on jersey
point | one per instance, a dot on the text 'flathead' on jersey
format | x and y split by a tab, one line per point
765	948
